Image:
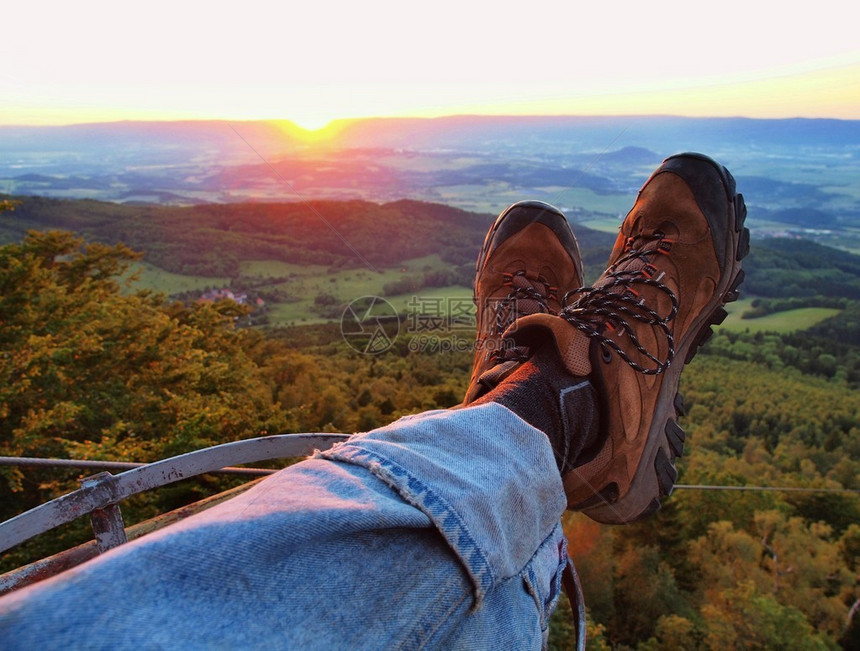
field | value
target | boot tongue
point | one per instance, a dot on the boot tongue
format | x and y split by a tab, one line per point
573	345
639	254
492	377
529	333
632	265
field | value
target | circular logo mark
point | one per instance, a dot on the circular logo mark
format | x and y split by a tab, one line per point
369	325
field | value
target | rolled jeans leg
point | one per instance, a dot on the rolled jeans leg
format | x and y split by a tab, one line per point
440	530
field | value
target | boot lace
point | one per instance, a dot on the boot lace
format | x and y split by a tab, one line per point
526	297
614	303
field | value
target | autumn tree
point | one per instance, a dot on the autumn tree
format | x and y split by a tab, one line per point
88	370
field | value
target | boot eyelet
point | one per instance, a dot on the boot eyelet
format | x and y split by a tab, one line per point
605	354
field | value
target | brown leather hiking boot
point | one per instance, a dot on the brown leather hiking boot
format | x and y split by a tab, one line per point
675	264
530	259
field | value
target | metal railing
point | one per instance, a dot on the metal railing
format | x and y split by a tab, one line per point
102	493
96	464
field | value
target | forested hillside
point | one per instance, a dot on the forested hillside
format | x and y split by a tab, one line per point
799	268
89	369
211	239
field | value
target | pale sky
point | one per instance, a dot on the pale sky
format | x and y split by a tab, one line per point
93	60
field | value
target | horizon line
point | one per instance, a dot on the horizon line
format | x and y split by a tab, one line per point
427	118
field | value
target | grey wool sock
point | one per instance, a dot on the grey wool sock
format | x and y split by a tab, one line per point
564	407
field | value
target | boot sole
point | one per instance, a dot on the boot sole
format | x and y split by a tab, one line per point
656	473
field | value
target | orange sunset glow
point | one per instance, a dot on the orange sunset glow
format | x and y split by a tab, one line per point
312	132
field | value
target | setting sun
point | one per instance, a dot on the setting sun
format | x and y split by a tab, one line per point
311	131
311	124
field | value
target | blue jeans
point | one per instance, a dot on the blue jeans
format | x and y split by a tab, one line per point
440	530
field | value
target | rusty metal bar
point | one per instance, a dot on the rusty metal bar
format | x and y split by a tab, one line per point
137	480
573	588
113	465
107	523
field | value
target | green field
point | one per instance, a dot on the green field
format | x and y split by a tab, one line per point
151	277
493	196
437	301
448	299
612	204
303	283
781	322
605	224
277	268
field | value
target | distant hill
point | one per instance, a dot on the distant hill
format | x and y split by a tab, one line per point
211	239
632	156
790	267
